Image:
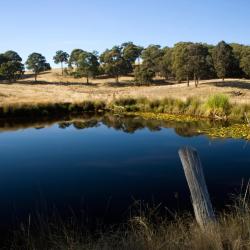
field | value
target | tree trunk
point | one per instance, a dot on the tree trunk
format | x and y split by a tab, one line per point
187	81
62	68
87	79
194	80
35	77
117	79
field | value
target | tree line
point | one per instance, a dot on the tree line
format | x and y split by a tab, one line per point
183	61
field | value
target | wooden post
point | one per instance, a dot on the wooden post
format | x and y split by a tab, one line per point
202	205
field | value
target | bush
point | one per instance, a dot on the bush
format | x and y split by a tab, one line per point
144	75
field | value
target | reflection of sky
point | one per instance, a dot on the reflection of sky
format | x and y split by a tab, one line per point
66	165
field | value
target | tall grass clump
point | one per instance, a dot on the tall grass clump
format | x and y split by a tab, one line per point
124	104
192	106
239	112
218	105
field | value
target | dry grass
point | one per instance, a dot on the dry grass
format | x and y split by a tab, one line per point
231	231
52	87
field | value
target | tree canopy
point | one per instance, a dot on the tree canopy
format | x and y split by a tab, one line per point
224	59
37	63
11	67
183	61
113	62
74	57
88	65
61	57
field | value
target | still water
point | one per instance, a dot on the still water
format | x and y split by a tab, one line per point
99	166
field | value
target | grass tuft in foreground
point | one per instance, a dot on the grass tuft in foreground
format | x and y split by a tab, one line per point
218	105
232	231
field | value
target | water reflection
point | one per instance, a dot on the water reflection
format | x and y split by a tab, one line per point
86	162
127	124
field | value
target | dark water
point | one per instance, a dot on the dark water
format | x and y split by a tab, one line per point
97	167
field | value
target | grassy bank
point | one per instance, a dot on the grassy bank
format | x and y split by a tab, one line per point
50	109
217	107
146	231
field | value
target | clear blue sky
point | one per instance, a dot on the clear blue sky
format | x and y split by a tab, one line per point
48	25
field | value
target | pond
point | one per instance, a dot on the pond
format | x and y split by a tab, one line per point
96	167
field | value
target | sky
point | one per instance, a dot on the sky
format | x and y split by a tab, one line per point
46	26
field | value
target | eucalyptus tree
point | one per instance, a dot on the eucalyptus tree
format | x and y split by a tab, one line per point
37	63
224	60
166	63
131	52
88	65
61	57
12	56
74	57
143	74
242	54
198	60
151	59
11	67
113	62
181	67
245	62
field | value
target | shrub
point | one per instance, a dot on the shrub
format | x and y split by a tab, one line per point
144	75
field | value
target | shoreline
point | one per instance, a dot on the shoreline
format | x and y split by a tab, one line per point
232	117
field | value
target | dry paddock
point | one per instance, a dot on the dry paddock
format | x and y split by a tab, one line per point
52	87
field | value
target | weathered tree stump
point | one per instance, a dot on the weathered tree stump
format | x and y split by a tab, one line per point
202	205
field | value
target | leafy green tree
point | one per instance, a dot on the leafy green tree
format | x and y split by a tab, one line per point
245	62
74	57
181	67
224	60
151	57
238	50
12	56
145	72
198	60
113	62
166	63
11	70
37	63
88	65
11	67
131	52
241	53
143	75
61	57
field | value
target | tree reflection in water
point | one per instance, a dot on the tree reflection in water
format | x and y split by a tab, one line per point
127	124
